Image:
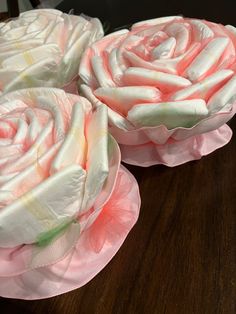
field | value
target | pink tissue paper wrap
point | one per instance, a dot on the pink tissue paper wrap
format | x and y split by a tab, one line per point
170	87
43	48
66	203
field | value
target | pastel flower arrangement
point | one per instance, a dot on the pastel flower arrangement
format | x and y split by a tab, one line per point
163	90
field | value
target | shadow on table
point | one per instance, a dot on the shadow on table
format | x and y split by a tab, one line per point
13	307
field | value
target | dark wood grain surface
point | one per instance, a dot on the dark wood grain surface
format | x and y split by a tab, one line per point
180	258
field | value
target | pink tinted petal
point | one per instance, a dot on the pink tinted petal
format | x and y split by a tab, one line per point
136	61
205	88
181	34
201	31
165	49
11	150
122	99
6	130
164	81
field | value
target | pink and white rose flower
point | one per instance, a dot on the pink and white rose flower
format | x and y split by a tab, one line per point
170	87
66	204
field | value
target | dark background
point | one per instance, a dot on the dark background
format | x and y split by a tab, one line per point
121	12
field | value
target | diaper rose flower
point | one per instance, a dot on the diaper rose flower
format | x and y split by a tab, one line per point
66	205
170	87
43	48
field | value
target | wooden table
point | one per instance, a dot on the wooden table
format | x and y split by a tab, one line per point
180	258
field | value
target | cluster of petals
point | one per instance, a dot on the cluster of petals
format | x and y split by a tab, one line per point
66	204
43	48
170	87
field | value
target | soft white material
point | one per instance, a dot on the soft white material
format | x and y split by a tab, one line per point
43	48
